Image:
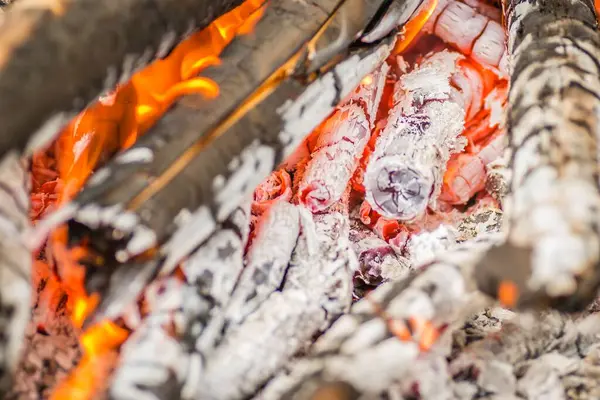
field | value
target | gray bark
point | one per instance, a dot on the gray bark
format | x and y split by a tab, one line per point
553	204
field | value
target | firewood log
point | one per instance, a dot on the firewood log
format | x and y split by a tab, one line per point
552	256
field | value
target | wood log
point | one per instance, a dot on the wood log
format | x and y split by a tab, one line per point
404	174
552	256
368	350
179	314
15	264
58	56
526	356
316	290
340	145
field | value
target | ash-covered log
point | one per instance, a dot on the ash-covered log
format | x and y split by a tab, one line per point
15	264
552	254
370	349
58	56
145	196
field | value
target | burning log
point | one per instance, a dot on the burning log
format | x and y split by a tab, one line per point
316	290
257	142
474	29
552	253
266	262
15	264
369	349
406	168
123	35
340	144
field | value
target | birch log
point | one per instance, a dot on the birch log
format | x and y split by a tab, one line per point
15	264
316	290
553	205
406	168
361	352
93	44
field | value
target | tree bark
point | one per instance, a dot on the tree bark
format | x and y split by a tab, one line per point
553	204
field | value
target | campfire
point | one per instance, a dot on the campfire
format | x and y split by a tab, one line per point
270	199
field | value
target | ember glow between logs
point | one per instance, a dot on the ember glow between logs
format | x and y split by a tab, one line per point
110	125
116	121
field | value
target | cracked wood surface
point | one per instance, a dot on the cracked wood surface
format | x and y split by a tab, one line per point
553	202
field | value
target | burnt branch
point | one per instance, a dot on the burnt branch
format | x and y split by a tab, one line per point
553	204
15	263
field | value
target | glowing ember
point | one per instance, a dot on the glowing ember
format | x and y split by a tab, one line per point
414	26
100	344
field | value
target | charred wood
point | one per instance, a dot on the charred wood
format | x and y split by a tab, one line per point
316	290
216	180
179	312
369	349
525	356
94	46
15	264
405	171
553	202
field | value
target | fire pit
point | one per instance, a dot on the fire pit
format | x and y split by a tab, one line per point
342	199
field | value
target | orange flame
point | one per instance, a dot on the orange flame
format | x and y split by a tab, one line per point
117	119
112	124
100	344
414	26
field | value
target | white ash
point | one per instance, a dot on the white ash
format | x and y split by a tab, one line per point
316	290
377	260
212	272
359	349
424	247
266	262
152	363
485	220
254	164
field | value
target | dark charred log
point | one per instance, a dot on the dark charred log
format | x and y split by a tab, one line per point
57	61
